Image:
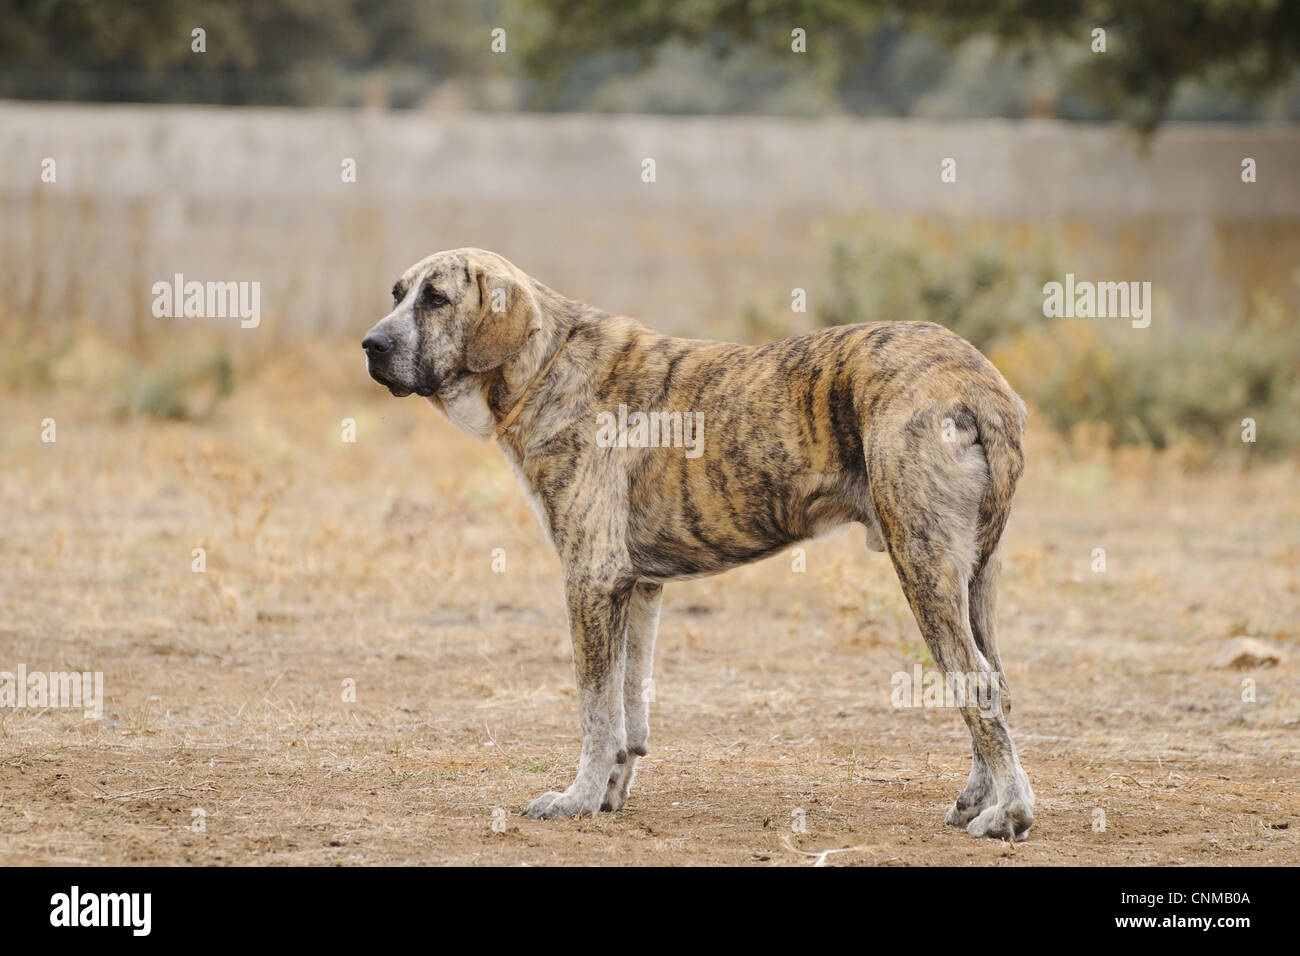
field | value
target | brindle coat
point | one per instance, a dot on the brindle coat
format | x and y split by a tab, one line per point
901	426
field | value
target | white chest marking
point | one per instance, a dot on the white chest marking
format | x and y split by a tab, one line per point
467	410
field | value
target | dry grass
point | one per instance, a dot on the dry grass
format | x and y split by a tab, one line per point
372	561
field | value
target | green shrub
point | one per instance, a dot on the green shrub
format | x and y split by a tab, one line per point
985	290
181	388
1163	385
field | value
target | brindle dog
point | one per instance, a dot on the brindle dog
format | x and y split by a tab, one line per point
901	426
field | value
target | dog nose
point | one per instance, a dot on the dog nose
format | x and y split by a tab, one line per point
377	342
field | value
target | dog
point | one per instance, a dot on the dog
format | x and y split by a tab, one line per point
903	427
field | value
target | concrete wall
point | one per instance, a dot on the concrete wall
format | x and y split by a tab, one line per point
741	212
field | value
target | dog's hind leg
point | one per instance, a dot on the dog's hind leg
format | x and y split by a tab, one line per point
997	800
927	499
998	442
983	619
978	794
642	627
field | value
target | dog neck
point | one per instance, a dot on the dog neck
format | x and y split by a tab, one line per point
565	320
518	407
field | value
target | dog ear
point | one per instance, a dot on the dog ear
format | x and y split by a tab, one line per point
508	313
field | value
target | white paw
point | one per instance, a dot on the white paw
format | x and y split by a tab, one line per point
960	814
1009	821
620	783
554	805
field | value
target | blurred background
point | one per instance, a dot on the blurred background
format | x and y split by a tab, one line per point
1106	140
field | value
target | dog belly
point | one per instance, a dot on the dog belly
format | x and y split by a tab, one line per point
695	536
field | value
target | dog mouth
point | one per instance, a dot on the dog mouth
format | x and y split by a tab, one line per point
401	390
396	388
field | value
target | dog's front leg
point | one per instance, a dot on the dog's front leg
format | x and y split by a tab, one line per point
638	688
597	623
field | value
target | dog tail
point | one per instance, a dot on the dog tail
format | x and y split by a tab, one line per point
1001	428
1001	431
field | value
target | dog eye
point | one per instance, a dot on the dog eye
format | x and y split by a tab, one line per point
433	298
397	292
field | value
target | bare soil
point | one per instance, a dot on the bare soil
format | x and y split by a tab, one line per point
227	739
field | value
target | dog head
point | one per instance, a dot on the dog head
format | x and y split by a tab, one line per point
457	317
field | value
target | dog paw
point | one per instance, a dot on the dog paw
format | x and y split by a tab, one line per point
1009	821
538	807
620	783
554	805
962	813
977	796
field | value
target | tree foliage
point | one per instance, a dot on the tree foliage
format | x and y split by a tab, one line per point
865	57
1249	46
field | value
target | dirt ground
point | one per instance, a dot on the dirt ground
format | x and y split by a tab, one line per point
227	739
